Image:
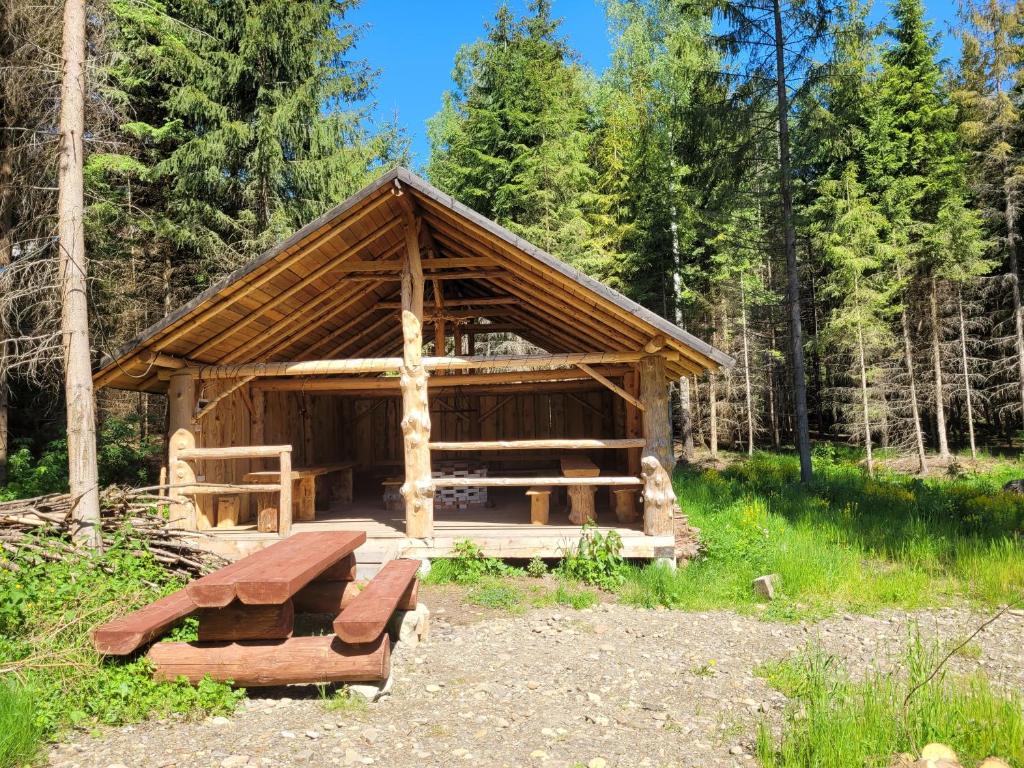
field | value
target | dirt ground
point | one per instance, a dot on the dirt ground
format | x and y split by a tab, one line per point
606	686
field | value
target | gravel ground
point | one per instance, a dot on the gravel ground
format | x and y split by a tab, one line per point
609	686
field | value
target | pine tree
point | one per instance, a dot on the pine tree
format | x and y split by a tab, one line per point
512	139
245	127
849	234
915	166
988	94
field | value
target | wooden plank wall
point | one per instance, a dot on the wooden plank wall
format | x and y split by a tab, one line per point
325	428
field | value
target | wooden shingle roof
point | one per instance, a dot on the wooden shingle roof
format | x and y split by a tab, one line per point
330	291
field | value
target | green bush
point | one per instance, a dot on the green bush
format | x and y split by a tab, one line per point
20	733
834	721
596	560
47	608
536	568
468	566
122	458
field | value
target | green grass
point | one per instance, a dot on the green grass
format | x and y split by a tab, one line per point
498	594
50	668
836	722
20	733
848	542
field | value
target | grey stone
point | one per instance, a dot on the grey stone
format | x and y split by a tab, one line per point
766	586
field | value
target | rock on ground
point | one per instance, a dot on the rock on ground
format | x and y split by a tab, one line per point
611	686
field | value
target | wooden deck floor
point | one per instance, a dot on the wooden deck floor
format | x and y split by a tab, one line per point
501	530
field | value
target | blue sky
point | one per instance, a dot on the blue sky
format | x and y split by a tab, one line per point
413	44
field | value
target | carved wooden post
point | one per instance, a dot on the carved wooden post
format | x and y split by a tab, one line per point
418	488
658	460
181	399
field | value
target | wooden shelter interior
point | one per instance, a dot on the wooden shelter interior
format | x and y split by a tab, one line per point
313	346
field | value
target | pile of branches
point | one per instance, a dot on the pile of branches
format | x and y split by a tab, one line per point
181	552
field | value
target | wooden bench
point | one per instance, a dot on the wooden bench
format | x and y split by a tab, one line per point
275	574
581	497
129	633
336	485
395	587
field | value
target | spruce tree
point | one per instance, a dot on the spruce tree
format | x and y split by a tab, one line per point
512	139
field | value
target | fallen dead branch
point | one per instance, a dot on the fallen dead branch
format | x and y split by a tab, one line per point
177	550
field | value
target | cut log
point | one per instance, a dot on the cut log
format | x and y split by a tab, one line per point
624	502
343	570
266	519
246	622
367	616
274	574
540	505
129	633
228	508
326	597
582	509
254	663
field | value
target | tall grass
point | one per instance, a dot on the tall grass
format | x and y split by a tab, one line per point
20	732
848	542
835	722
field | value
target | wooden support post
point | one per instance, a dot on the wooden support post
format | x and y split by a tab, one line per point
284	504
658	460
634	426
418	488
540	501
181	399
657	426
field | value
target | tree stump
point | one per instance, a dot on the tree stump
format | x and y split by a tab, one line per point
581	504
625	504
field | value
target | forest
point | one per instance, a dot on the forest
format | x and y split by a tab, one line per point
819	195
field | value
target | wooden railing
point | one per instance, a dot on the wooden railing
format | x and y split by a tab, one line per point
283	453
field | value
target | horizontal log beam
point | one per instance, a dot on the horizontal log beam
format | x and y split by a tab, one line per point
234	452
483	301
394	364
512	482
539	445
252	663
390	383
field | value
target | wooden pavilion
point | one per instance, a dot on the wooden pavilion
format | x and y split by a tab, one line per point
348	379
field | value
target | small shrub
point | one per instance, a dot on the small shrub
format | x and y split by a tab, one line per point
342	700
468	566
20	732
596	560
537	568
497	594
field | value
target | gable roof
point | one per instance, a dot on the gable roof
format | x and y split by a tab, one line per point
330	291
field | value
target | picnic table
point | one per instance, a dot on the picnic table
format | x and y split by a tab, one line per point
246	616
335	484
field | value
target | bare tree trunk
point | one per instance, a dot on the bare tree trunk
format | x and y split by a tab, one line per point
864	401
6	250
713	416
908	359
746	373
967	373
685	418
6	243
940	406
81	413
802	427
1018	319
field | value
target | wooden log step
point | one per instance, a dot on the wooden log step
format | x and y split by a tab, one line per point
129	633
274	574
246	622
325	597
394	588
254	663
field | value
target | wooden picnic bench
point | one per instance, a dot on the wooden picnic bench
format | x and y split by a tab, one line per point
335	484
246	616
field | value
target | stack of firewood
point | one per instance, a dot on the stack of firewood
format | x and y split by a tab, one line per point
22	520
